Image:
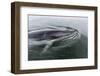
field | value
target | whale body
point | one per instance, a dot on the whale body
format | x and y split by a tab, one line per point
55	37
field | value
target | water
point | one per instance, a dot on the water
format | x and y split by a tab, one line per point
46	51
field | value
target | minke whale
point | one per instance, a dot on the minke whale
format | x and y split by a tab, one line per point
53	37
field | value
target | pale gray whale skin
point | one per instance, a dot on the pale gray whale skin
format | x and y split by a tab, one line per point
53	37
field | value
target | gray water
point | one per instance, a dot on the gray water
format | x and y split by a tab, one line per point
78	50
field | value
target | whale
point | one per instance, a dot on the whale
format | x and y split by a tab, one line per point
53	37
